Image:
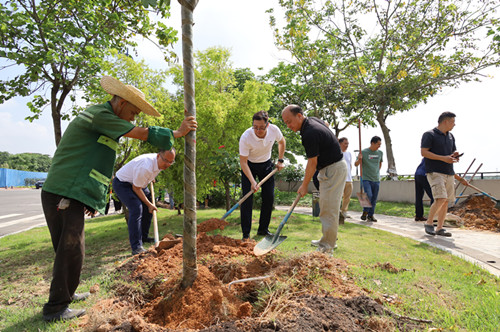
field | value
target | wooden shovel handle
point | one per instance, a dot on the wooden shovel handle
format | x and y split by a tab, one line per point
155	220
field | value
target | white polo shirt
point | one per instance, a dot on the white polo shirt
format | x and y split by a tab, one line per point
258	150
140	171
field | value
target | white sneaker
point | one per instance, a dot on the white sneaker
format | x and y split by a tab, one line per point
329	252
315	243
346	215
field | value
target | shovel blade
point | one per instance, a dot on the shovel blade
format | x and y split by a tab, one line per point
267	244
364	201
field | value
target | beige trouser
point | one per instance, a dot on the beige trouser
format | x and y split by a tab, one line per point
331	186
346	198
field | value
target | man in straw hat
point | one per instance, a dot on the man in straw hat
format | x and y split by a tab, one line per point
78	181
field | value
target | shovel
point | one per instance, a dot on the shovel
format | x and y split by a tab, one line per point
363	198
272	241
472	177
497	205
155	221
248	194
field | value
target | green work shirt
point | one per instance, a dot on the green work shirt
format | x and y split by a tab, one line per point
84	160
371	164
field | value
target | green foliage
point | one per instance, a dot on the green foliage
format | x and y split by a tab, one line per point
286	90
224	109
241	76
374	59
291	173
226	167
59	46
32	162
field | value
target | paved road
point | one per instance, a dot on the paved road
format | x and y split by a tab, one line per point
20	210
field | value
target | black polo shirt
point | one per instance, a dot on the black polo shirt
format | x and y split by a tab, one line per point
319	141
441	144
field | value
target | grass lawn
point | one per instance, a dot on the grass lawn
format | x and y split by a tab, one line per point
431	284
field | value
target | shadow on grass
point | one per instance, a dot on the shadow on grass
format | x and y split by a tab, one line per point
32	323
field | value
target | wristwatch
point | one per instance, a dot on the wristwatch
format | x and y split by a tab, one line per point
281	161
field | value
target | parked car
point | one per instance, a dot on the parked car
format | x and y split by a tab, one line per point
39	184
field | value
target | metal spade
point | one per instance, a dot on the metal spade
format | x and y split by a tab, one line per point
272	241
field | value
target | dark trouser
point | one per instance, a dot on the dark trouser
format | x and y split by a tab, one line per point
66	229
421	185
371	188
139	219
259	170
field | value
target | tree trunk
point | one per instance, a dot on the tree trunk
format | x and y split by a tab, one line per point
391	162
227	189
56	107
56	115
190	269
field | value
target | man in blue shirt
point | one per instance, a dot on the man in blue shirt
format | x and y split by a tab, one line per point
440	153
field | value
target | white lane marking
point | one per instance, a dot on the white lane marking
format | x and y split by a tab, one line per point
10	215
14	222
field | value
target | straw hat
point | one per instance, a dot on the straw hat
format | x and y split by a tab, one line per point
128	92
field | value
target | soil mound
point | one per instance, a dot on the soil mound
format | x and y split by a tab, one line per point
479	212
309	292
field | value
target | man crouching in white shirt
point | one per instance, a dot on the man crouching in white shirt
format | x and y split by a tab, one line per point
131	186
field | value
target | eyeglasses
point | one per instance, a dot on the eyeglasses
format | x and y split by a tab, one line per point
166	161
260	128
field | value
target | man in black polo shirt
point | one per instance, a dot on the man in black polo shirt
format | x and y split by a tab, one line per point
440	153
323	154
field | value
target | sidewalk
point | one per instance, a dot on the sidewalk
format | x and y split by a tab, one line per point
479	247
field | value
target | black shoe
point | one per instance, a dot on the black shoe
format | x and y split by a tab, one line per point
372	219
420	219
265	233
80	297
148	240
139	250
443	232
65	314
364	215
429	229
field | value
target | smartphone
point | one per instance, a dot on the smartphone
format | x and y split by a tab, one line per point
460	155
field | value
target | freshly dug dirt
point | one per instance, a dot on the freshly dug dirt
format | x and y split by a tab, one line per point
310	292
478	212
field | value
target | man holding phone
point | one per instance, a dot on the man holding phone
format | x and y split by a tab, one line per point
440	153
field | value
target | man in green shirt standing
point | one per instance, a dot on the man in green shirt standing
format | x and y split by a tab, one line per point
371	159
79	177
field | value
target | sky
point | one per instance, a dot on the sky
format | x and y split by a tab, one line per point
244	29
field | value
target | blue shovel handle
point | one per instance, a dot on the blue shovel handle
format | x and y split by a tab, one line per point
235	206
290	210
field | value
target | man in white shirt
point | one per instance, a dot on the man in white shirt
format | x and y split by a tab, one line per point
346	197
131	186
256	145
